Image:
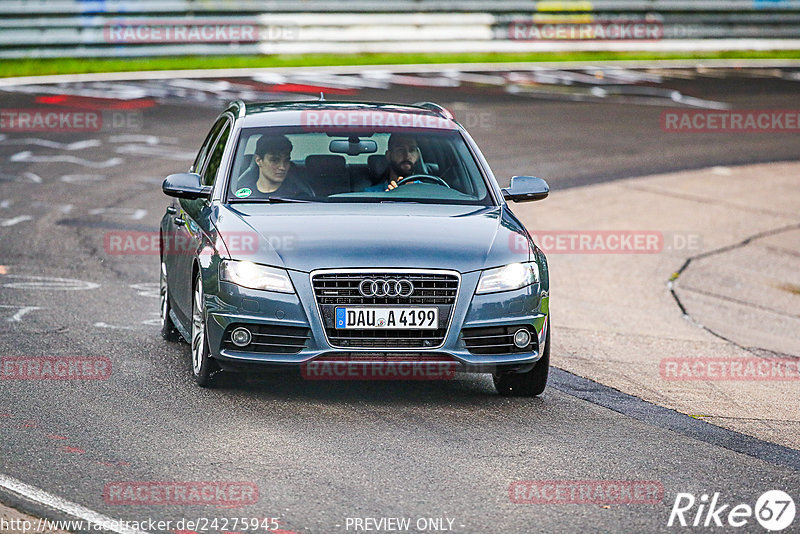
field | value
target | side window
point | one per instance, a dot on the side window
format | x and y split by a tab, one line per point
215	157
197	166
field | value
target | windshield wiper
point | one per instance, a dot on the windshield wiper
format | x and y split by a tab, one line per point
268	200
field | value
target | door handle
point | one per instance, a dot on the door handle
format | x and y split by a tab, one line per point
179	221
171	210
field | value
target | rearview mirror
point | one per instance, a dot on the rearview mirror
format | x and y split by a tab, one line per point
185	185
353	146
526	189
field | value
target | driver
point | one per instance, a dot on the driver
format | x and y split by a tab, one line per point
403	158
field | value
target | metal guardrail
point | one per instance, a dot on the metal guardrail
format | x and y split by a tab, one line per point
130	28
27	7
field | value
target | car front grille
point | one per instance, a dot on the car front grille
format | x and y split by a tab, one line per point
387	338
496	340
342	288
269	339
431	289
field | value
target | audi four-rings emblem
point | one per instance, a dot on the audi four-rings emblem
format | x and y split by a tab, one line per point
386	288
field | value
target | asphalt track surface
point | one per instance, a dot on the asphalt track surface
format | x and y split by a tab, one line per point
322	452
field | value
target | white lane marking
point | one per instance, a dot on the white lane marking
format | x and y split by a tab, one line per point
63	208
96	90
338	81
15	220
35	178
147	289
62	505
155	151
28	156
423	81
156	321
140	138
82	178
4	204
77	145
111	326
722	171
699	102
23	310
270	78
47	283
136	214
214	86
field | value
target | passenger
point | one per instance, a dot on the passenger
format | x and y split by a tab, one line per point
274	174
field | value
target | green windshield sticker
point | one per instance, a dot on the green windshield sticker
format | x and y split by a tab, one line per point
243	193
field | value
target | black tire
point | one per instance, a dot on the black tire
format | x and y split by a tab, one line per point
168	330
529	384
203	366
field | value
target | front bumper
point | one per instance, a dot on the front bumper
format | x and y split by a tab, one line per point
233	304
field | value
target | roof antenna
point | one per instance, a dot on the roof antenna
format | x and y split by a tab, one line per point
321	96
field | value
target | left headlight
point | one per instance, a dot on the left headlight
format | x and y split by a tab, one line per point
508	278
248	274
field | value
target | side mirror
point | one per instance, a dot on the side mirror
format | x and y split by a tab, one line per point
186	185
526	189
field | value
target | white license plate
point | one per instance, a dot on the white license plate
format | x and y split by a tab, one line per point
377	318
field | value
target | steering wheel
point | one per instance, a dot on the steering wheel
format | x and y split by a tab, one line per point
428	178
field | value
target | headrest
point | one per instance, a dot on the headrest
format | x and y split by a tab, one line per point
326	164
377	164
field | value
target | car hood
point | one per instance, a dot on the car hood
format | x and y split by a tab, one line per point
305	237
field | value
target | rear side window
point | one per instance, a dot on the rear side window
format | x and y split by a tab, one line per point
215	158
202	155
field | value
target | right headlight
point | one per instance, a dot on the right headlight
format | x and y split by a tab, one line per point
508	278
248	274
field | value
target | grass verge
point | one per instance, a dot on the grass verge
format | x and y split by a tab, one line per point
38	67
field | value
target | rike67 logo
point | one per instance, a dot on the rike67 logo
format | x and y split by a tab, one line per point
774	510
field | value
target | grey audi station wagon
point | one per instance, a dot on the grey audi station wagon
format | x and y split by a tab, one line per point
376	234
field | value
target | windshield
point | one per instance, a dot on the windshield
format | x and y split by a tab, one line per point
412	165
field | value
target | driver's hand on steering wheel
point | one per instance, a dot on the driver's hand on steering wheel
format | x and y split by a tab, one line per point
393	184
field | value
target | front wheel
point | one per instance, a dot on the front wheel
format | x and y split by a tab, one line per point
168	330
529	384
203	367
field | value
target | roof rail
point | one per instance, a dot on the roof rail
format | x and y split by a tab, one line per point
240	107
436	108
